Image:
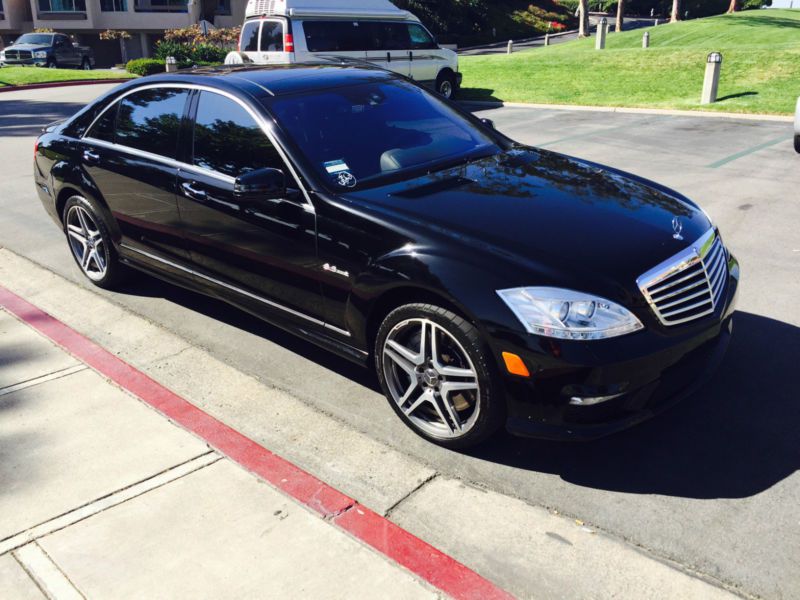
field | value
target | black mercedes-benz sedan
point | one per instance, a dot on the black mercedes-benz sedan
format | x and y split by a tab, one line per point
489	283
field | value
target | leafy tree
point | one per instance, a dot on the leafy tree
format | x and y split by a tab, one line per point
118	34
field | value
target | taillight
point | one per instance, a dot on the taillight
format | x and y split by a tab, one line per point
35	148
288	42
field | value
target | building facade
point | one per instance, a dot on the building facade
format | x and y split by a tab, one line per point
84	20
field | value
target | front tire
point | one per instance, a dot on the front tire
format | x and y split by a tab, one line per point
51	63
86	65
797	142
446	85
90	243
437	374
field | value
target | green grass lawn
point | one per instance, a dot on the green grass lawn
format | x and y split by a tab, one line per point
26	75
760	70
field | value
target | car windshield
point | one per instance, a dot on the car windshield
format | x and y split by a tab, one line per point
364	134
35	38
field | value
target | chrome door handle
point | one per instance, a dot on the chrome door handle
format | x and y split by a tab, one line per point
90	157
193	193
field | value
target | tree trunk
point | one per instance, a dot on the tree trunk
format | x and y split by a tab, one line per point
583	10
620	15
123	51
676	11
734	6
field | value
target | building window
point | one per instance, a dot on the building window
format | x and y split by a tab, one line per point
223	7
114	5
62	6
161	5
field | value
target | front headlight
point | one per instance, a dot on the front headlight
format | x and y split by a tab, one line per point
40	54
565	314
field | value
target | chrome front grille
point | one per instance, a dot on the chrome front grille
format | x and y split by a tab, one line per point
690	285
18	54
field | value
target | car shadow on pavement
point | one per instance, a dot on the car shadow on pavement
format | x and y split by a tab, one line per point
21	118
739	435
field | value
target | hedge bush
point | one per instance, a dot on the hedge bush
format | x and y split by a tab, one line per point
190	53
146	66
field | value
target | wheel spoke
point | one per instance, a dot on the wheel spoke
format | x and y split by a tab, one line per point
99	257
76	233
452	427
83	222
451	409
395	352
424	397
86	259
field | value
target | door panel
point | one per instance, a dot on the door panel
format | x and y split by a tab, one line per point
389	46
426	57
264	247
129	154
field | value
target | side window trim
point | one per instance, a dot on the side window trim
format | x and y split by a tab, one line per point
308	206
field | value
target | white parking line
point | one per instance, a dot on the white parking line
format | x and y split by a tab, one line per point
46	574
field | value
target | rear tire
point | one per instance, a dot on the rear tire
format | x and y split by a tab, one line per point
86	65
797	142
51	63
446	85
438	375
91	244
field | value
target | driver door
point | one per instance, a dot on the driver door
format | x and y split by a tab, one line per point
259	253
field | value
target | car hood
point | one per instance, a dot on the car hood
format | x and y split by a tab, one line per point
568	219
28	47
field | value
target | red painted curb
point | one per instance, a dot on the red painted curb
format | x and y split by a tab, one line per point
419	557
40	86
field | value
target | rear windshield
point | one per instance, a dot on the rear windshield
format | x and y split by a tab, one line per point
362	135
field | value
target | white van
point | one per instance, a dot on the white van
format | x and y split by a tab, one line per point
288	31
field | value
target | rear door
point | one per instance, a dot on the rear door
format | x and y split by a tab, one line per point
64	51
389	46
260	254
130	155
273	46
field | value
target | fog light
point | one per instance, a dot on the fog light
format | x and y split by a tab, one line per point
589	401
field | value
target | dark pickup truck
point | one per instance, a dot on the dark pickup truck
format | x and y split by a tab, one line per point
53	50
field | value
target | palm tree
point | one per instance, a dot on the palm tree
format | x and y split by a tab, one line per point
734	6
583	14
676	11
620	15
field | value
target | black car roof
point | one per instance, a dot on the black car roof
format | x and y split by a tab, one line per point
278	80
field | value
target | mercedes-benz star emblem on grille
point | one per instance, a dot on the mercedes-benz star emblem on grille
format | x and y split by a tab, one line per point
677	227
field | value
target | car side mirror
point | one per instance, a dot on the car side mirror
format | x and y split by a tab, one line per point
489	123
263	184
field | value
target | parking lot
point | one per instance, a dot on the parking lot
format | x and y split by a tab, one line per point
711	485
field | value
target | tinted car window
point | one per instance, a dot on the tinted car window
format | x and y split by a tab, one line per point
335	36
388	36
149	120
272	36
228	140
420	38
249	39
103	129
365	133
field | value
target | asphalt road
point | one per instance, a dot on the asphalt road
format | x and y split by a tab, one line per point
712	484
537	42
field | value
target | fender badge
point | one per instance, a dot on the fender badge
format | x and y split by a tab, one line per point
677	227
332	269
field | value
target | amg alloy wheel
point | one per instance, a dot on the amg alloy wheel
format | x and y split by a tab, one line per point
433	369
90	243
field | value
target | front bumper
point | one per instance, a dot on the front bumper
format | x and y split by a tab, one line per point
641	374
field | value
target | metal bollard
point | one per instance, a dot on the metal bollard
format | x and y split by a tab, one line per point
655	24
546	39
711	81
602	31
510	48
172	64
646	40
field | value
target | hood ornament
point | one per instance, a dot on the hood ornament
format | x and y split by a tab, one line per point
677	227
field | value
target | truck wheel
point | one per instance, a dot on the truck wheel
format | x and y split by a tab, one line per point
86	65
446	85
797	142
51	63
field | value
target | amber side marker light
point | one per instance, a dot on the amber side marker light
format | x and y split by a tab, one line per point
514	365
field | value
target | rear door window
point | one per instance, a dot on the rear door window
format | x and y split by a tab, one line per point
150	120
249	40
335	36
228	140
272	36
388	36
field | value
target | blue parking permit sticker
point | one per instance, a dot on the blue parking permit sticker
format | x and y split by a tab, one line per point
335	166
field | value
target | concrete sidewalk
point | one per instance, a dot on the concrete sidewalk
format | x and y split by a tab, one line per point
102	497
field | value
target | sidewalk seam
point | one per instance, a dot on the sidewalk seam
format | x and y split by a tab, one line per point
29	535
46	378
40	578
411	492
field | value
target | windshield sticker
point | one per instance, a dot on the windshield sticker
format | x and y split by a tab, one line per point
335	166
346	179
